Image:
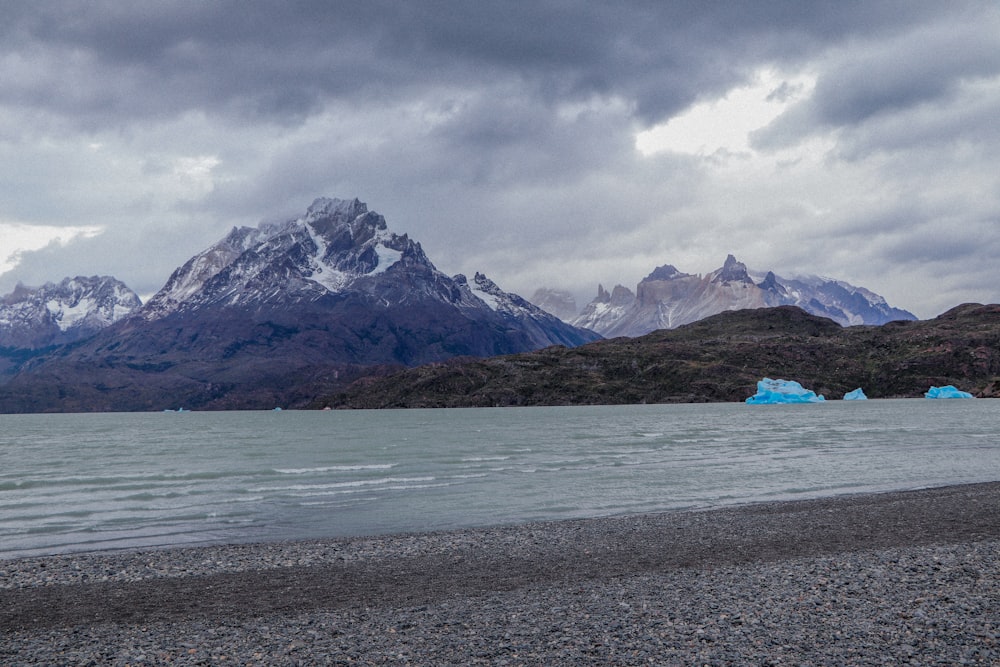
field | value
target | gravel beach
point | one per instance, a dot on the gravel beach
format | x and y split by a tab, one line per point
884	579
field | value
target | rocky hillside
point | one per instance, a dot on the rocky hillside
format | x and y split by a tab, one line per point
716	359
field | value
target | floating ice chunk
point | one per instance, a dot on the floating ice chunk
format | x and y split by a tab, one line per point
947	391
782	391
856	395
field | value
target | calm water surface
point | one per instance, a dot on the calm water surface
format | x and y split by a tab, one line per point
105	481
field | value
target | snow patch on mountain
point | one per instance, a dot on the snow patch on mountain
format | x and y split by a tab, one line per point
387	257
67	315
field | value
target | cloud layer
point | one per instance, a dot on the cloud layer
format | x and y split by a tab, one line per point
504	136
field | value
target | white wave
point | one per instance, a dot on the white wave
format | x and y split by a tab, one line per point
344	485
346	468
343	492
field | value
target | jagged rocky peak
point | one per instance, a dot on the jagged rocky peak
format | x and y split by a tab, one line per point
21	292
485	283
771	284
354	240
343	209
344	223
499	300
665	272
618	295
335	242
485	286
621	296
732	271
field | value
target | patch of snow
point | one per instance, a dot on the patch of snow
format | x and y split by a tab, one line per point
386	258
324	274
489	299
65	315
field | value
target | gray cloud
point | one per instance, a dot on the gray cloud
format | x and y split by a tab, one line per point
501	136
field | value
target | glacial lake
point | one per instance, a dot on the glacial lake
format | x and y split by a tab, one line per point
87	482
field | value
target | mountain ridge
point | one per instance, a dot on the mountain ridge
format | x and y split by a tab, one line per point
668	298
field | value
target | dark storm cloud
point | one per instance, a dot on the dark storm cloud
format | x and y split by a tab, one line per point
111	61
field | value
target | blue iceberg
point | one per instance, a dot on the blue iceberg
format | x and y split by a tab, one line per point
782	391
947	391
856	395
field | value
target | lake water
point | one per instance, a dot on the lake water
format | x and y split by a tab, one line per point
105	481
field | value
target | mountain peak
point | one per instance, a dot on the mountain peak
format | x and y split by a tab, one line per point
336	242
771	284
342	224
341	208
665	272
732	271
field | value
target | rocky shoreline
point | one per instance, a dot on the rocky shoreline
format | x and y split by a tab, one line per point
898	578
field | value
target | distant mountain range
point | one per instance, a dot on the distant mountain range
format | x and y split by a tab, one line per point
668	298
268	315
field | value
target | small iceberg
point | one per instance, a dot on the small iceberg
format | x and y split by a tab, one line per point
947	391
771	392
856	395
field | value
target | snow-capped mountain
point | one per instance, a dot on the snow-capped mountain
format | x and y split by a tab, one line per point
64	312
668	298
280	314
341	253
337	246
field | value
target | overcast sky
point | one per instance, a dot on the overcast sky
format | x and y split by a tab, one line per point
558	143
